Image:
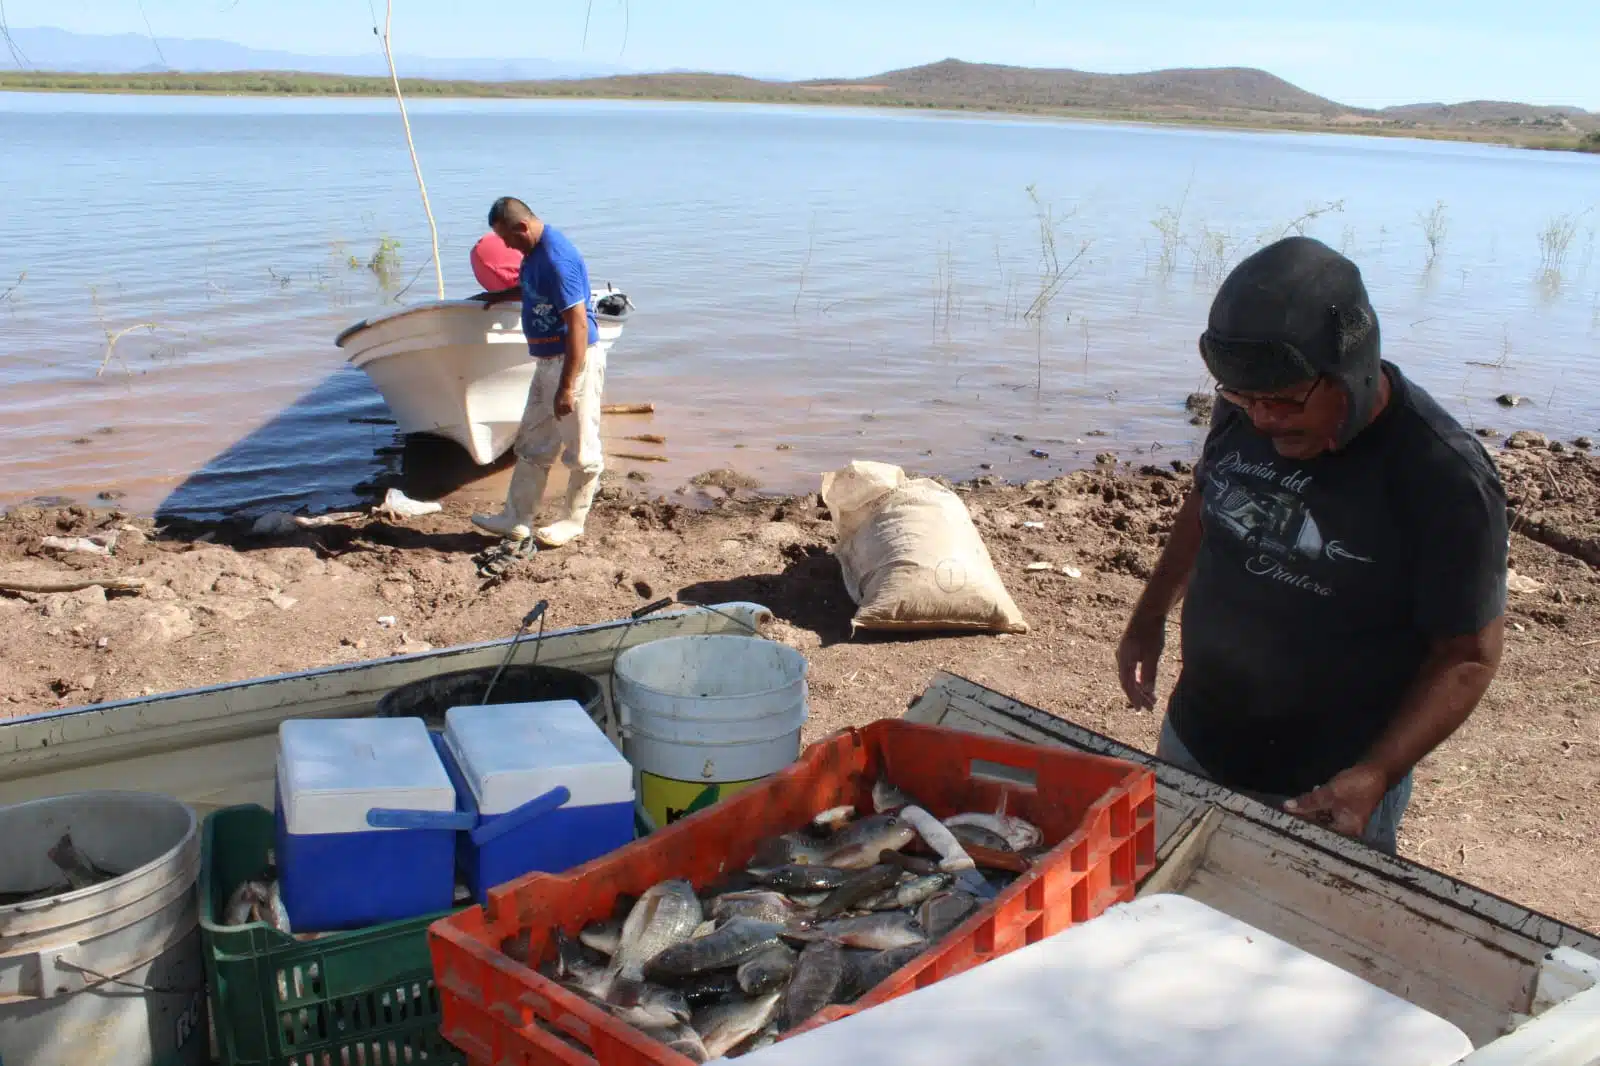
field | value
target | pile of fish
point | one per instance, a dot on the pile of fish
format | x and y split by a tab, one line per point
818	917
77	871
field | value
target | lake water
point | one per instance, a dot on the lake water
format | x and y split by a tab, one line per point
813	285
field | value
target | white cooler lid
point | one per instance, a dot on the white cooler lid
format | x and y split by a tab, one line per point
510	753
331	771
1161	981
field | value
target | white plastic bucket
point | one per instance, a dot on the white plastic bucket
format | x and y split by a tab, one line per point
112	972
703	717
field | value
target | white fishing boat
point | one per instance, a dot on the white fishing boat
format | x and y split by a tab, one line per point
459	369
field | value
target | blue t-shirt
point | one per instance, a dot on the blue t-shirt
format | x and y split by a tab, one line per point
554	279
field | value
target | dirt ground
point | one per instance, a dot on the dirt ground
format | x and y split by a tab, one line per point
1509	803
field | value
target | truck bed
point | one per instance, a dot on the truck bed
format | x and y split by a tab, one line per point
1471	957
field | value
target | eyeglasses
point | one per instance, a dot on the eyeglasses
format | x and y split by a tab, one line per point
1270	405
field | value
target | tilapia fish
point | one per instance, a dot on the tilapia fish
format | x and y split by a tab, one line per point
872	881
909	863
644	1002
863	842
602	936
730	945
576	972
865	970
725	1026
788	849
978	836
1016	832
767	970
79	871
766	1038
832	820
944	911
883	931
762	906
805	878
667	914
818	975
885	797
244	900
680	1038
702	990
907	894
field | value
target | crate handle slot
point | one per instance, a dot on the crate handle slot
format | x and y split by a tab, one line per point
1013	776
395	818
518	817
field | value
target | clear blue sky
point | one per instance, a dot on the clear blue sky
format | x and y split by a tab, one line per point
1363	52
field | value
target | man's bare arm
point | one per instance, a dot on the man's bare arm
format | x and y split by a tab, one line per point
1144	638
1171	574
1453	678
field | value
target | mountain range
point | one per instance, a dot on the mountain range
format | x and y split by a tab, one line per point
48	49
1232	94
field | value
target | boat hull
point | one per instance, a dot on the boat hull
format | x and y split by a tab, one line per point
454	369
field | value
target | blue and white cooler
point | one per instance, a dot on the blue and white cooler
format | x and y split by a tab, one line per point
549	790
366	822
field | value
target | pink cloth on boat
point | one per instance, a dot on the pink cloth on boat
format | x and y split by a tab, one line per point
495	264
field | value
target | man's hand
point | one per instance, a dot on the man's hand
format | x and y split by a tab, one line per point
1137	658
566	400
1146	634
1345	804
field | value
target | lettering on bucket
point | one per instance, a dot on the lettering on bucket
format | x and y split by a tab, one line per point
667	800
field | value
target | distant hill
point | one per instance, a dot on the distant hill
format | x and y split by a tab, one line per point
1497	112
47	48
1229	88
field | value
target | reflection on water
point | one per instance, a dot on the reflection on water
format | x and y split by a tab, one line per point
813	286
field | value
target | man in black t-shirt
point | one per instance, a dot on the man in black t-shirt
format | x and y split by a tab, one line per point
1342	559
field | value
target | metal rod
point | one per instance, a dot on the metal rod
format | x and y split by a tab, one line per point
537	614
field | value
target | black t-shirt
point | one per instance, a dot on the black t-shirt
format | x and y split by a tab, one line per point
1320	584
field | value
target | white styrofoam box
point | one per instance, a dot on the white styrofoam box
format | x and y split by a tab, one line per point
511	752
1160	981
331	771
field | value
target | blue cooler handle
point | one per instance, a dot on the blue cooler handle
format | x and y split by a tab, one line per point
392	818
518	817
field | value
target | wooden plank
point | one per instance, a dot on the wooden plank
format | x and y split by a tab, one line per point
1480	1022
1185	850
1178	792
1378	915
1467	970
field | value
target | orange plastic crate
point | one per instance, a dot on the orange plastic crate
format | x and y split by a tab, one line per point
1098	813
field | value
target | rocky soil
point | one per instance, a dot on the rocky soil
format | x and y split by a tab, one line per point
1509	803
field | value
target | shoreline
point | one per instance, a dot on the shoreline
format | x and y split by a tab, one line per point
422	89
220	604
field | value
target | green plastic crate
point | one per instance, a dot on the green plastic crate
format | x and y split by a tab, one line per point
359	998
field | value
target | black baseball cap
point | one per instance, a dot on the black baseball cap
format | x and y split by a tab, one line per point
1292	311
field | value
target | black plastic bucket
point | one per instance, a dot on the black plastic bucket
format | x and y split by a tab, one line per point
431	697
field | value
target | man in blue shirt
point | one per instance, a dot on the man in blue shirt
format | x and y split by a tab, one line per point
562	418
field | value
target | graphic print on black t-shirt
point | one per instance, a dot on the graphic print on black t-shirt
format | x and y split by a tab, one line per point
1264	507
1319	583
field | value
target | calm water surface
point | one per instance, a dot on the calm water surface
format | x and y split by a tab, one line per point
814	286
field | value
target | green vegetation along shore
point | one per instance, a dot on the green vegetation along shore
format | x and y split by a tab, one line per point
1240	99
